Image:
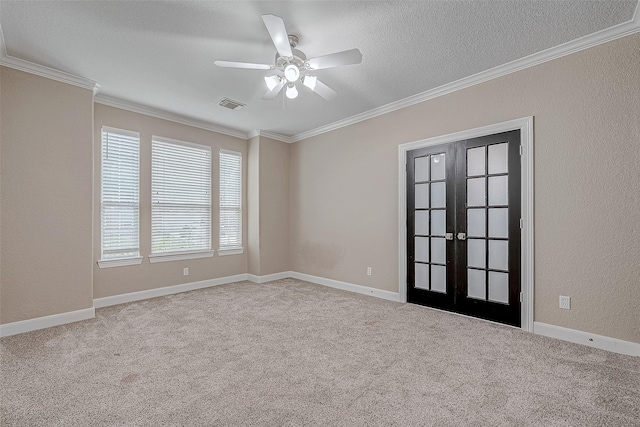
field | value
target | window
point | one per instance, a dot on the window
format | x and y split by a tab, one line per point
181	200
119	198
230	202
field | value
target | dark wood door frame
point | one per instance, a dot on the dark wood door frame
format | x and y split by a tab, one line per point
525	125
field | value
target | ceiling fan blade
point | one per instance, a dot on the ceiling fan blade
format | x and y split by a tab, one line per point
278	33
247	65
271	94
324	91
346	57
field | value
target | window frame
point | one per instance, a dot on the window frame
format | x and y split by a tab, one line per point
123	260
238	249
186	254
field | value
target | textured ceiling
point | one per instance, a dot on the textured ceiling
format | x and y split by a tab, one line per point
160	54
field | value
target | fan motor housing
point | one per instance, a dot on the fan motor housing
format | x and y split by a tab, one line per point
299	59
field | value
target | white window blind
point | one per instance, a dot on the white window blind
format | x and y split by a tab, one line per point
180	196
119	196
230	200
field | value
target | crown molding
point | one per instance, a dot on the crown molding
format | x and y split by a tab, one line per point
165	115
253	133
603	36
271	135
278	137
50	73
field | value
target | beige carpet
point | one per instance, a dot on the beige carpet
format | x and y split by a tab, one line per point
291	353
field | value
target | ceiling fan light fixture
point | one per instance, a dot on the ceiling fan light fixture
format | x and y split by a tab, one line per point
292	92
272	81
310	82
291	73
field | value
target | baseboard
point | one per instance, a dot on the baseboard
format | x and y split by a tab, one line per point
359	289
592	340
167	290
269	277
29	325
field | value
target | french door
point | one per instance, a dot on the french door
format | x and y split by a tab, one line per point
463	227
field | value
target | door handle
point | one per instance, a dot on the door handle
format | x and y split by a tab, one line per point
448	236
462	236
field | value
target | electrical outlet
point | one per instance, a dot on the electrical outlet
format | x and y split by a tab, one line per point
368	271
185	271
565	302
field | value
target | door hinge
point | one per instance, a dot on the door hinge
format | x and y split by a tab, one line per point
520	296
521	150
521	223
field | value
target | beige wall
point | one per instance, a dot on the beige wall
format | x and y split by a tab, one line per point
253	205
274	206
268	205
121	280
344	185
46	153
327	206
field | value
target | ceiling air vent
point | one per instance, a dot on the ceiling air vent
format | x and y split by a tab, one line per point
231	104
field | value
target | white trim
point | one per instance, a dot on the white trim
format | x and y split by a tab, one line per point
269	277
3	46
167	290
227	252
109	263
165	115
603	36
29	325
153	258
592	340
359	289
50	73
271	135
166	140
230	152
525	125
125	132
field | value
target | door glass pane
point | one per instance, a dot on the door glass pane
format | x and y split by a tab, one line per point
421	166
476	284
476	253
437	167
422	195
499	222
421	225
475	192
475	161
421	249
499	287
498	190
422	276
439	278
476	223
438	195
499	254
498	160
438	222
438	250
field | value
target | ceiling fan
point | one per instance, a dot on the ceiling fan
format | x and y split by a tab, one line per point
292	66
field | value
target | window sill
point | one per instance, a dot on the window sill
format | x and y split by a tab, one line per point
179	256
108	263
235	251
